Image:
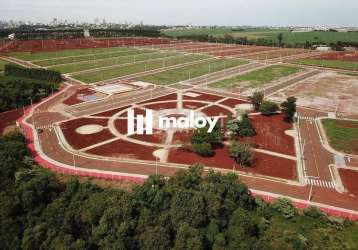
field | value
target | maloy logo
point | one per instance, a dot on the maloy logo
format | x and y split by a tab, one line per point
144	124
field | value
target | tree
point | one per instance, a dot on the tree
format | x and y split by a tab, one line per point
203	149
241	127
280	39
241	153
288	108
268	108
203	142
256	99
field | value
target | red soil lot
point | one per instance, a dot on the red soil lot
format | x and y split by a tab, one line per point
193	105
61	44
271	134
264	164
9	118
121	126
349	178
203	97
160	106
343	56
158	136
120	148
170	97
78	141
72	100
216	110
231	102
111	112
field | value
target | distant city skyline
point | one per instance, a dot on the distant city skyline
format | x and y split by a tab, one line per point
187	12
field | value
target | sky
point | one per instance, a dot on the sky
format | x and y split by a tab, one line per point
185	12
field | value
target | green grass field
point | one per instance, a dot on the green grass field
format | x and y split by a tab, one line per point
329	63
288	37
76	59
119	71
184	73
257	77
2	64
75	67
342	135
28	56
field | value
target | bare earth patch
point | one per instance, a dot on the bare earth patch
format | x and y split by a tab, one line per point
326	91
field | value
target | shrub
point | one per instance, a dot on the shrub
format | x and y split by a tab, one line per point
243	127
289	108
268	108
256	99
203	149
241	153
285	207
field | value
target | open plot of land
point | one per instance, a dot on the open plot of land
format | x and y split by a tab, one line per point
75	67
337	64
349	178
186	73
90	57
275	54
326	91
342	135
256	78
29	56
136	68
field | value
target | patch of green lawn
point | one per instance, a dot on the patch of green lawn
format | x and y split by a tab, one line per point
78	59
119	71
342	135
2	64
329	63
184	73
257	77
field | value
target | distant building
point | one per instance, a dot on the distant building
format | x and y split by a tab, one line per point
11	36
323	48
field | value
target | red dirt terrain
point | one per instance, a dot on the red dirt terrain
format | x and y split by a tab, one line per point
342	56
271	134
73	99
78	141
349	178
264	164
120	148
9	118
62	44
158	136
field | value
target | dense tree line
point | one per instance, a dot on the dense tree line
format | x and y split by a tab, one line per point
17	92
31	33
125	32
188	211
33	73
279	42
